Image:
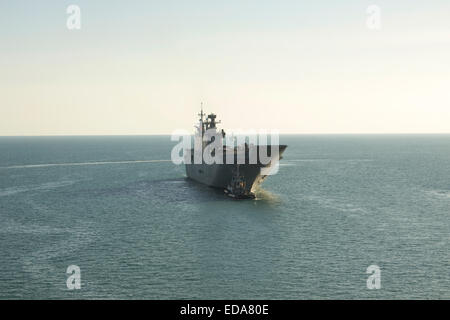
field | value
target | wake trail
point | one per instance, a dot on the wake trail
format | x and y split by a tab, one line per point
97	163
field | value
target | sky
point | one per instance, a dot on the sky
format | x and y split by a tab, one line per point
144	67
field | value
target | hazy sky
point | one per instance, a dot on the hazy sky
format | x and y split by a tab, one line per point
143	67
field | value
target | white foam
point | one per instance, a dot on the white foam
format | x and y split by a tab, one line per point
79	164
45	186
440	193
335	160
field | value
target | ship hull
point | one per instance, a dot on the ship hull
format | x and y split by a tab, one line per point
220	175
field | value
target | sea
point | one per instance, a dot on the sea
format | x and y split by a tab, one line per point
116	207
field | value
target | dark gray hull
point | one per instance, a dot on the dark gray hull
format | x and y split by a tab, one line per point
219	175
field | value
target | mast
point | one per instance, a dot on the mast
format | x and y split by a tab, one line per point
201	119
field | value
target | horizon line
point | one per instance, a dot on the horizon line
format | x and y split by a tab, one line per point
281	134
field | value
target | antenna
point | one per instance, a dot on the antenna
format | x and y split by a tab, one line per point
201	112
202	129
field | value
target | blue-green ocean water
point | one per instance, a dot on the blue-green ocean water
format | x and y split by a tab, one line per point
142	230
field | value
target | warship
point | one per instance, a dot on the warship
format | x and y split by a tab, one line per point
249	166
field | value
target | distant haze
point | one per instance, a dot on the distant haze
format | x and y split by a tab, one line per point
144	67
